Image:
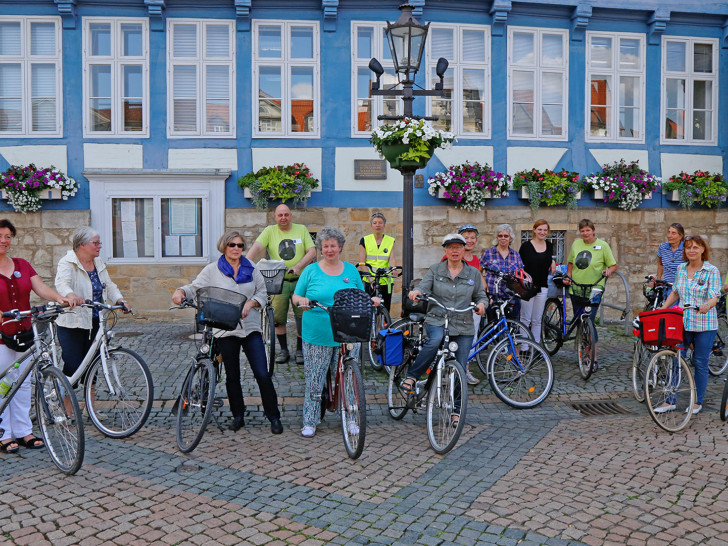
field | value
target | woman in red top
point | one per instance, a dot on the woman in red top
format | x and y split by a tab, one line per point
17	279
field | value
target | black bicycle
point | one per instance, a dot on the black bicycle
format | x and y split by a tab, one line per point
381	318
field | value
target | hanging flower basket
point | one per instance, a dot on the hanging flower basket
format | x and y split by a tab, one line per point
393	152
271	184
409	143
24	187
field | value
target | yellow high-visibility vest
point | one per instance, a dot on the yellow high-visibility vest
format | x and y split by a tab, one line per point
378	255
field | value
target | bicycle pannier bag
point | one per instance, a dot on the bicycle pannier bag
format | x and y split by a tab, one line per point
390	347
20	342
661	327
219	308
351	315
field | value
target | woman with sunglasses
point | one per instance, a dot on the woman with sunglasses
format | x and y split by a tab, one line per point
234	272
502	257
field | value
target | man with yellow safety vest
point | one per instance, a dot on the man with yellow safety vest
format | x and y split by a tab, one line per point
376	249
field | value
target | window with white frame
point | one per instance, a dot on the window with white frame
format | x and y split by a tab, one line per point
116	76
140	223
538	62
368	40
286	76
464	110
615	87
200	78
30	77
689	90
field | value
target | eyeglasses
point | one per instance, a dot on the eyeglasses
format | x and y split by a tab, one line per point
504	236
95	243
233	245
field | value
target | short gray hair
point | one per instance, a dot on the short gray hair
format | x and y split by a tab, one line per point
228	236
82	236
504	227
327	233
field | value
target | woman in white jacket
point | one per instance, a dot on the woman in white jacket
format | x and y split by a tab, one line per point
81	276
232	271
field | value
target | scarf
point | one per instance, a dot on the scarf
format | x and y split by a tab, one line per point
245	271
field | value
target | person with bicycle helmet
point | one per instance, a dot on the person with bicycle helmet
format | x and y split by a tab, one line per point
376	249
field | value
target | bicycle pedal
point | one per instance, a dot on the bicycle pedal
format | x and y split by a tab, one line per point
218	403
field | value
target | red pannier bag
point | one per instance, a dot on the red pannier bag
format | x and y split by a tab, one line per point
662	327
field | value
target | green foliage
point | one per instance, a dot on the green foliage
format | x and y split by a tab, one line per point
699	188
293	182
548	187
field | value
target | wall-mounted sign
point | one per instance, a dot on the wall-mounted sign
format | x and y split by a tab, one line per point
370	169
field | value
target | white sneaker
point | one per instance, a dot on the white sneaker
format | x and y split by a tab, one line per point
696	409
665	409
353	428
308	432
472	380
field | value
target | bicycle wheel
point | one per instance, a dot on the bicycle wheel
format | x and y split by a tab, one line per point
669	382
585	335
353	409
515	327
724	402
552	320
446	399
119	404
640	359
268	328
380	321
396	397
414	336
718	361
62	430
525	383
195	405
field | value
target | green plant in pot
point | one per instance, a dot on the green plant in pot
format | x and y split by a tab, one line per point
409	143
293	182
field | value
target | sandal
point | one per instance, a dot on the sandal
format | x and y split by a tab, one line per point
33	443
5	447
408	385
454	420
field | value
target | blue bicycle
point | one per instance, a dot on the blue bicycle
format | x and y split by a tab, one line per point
518	369
556	329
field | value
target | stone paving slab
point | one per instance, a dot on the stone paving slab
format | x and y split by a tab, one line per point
540	476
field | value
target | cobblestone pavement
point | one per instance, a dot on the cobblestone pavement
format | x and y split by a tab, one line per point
543	476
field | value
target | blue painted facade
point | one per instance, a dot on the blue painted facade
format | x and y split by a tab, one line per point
653	18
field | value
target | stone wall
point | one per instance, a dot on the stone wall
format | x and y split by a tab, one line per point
44	237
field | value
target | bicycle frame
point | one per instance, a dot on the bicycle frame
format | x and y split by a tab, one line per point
568	326
99	346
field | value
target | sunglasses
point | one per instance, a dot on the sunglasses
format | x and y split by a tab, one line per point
233	245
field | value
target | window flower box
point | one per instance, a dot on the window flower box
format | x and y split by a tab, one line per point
292	182
548	188
468	186
700	188
622	184
25	187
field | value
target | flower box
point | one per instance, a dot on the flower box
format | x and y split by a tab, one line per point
673	195
599	195
525	195
487	193
45	194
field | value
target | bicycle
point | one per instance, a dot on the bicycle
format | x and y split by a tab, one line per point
273	276
518	369
381	318
718	361
655	292
443	394
215	308
62	430
345	392
118	386
556	329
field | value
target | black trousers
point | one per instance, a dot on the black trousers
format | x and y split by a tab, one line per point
75	343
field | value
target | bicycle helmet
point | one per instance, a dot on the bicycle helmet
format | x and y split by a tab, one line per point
468	227
524	279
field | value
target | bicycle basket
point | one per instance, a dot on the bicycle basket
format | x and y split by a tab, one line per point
408	306
661	327
351	316
219	308
273	272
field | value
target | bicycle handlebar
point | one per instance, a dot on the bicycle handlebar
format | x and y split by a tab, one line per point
108	307
658	282
448	309
186	302
37	312
380	272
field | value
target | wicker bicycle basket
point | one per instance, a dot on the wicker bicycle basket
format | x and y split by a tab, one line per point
219	308
351	316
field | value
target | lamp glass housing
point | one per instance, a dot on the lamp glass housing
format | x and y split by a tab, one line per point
406	40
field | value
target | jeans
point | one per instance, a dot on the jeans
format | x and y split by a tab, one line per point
703	344
429	350
75	343
254	348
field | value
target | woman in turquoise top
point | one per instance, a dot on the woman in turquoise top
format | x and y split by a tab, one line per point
319	282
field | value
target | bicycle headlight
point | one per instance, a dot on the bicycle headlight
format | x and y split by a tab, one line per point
453	346
204	348
349	346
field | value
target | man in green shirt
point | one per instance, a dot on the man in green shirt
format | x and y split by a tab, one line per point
291	243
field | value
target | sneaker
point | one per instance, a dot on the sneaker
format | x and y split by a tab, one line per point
353	428
665	409
308	432
472	380
595	366
299	357
283	357
696	409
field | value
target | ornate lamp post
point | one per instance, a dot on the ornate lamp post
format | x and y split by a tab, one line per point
407	38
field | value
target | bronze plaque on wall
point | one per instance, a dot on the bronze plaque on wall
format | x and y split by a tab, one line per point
370	169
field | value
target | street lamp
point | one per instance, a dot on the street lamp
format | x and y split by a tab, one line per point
407	38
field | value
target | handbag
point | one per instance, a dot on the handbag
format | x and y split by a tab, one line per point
20	342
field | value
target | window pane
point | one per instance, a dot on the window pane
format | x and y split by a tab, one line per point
100	114
552	89
132	228
302	99
133	81
218	82
43	78
364	115
11	84
364	42
629	54
42	39
443	109
218	99
522	86
392	107
9	38
702	95
217	41
269	82
448	82
473	84
100	80
675	91
702	125
181	227
552	50
601	90
675	124
184	80
629	123
269	41
132	102
131	36
551	120
473	116
675	56
442	43
269	116
302	82
600	106
184	41
363	82
302	43
132	114
523	50
601	52
10	115
100	39
703	58
523	119
44	114
473	46
386	50
629	91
